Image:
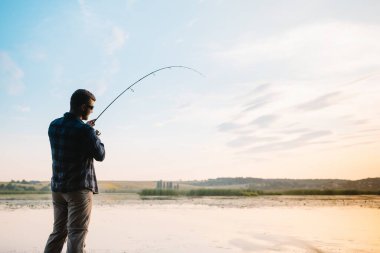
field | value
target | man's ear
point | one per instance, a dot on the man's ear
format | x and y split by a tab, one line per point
83	107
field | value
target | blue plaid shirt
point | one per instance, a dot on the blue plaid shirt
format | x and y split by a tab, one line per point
74	145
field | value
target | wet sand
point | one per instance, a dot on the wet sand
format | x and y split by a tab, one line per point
211	225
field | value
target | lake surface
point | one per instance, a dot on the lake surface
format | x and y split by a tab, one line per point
209	225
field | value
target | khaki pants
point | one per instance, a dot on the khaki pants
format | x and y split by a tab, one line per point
72	212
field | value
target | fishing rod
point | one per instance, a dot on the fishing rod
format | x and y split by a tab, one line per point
151	73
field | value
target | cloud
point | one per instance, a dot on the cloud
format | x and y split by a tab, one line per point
113	38
260	101
59	83
256	91
265	120
192	22
361	78
117	40
101	86
11	75
104	81
130	3
184	105
277	118
228	126
22	108
369	130
113	67
360	122
85	9
261	88
303	140
38	56
179	41
317	49
297	130
321	102
312	135
114	34
249	140
359	144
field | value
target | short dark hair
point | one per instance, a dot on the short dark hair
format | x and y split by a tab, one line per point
81	97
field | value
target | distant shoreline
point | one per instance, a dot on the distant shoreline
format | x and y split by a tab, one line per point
251	193
248	187
207	192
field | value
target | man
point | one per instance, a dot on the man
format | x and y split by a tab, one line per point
74	146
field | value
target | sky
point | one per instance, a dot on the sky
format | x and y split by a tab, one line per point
291	88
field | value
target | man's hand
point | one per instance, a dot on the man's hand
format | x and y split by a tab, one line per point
91	122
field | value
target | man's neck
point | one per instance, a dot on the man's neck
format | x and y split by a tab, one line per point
78	115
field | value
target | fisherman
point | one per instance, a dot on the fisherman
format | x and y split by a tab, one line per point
74	146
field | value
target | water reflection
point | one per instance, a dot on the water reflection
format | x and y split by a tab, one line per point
173	228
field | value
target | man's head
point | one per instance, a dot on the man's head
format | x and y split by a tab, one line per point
82	103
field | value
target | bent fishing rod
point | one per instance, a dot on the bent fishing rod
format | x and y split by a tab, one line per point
151	73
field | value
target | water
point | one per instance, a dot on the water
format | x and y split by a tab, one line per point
189	226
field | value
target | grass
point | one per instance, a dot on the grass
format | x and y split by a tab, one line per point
330	192
198	192
222	192
248	192
161	192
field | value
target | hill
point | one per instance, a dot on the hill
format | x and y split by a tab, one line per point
368	184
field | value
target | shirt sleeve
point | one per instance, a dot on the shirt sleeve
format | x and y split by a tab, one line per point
95	146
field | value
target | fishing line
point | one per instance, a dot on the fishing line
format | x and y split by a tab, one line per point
151	73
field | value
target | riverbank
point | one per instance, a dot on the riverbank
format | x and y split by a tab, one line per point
36	201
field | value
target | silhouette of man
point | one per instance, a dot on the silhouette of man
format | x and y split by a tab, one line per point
74	146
